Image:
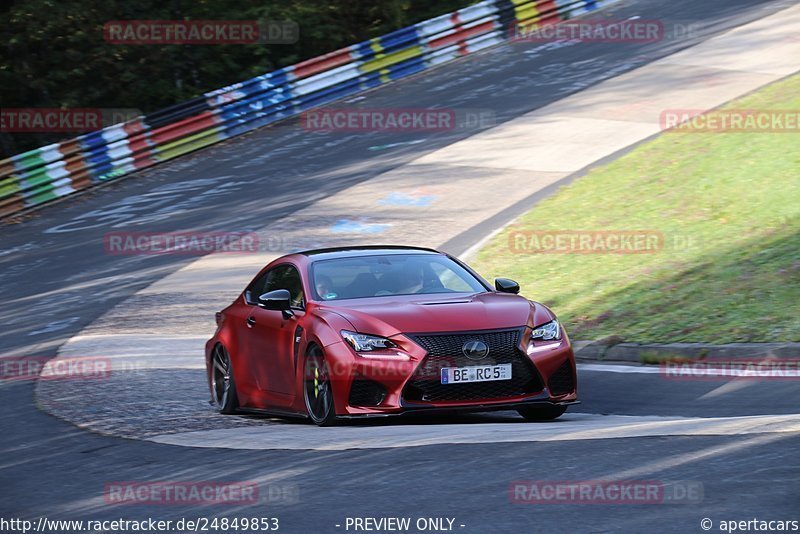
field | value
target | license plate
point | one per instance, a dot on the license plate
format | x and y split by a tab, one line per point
476	373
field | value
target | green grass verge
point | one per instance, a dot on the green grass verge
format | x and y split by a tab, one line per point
728	205
656	358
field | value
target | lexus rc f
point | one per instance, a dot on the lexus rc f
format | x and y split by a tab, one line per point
352	332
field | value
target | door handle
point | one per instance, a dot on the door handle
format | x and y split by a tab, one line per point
251	321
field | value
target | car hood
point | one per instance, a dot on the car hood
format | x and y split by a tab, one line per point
387	316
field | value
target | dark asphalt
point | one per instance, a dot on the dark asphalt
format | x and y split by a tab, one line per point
133	415
54	283
652	394
53	469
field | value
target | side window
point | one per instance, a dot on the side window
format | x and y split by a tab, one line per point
256	288
281	277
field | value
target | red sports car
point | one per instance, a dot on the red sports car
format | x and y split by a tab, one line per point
374	331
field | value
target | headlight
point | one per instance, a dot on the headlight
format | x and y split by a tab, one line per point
547	331
367	343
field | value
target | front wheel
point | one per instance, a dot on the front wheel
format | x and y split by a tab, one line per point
544	412
317	389
223	387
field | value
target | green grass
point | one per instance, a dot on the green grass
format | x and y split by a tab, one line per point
655	358
736	196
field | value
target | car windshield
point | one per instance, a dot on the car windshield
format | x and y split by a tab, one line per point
391	274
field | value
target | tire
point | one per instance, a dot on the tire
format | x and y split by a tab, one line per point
223	386
317	389
544	412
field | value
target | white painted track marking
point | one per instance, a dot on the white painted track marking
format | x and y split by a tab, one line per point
571	426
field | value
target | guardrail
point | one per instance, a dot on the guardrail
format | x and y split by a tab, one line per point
50	172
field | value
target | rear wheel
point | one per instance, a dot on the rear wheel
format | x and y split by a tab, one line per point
544	412
223	387
317	389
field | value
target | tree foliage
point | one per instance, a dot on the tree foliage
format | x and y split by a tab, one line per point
54	53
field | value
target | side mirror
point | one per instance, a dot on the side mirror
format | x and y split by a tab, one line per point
275	300
506	285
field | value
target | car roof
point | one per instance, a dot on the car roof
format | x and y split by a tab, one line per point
363	250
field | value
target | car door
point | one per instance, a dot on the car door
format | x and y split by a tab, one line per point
239	335
270	339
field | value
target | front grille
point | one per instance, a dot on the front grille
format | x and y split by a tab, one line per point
444	350
562	380
366	393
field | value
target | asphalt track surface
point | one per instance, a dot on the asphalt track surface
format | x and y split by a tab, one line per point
55	280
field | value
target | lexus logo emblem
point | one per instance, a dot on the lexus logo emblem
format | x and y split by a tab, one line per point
475	350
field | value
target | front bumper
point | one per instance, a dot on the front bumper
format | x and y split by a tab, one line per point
368	387
465	408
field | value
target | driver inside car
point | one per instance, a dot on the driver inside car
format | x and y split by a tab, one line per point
413	279
325	287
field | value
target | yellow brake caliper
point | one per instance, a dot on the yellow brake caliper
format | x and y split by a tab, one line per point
316	382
